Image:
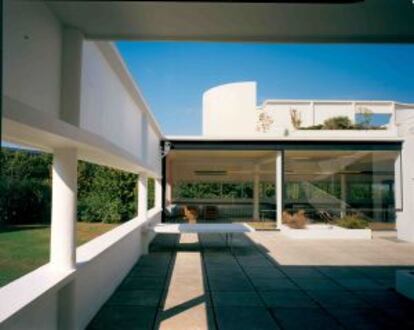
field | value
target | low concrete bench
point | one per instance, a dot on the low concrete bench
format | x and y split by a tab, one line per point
229	229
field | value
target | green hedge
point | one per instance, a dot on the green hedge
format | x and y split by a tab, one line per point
104	194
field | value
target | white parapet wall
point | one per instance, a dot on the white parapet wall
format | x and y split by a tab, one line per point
61	89
325	232
101	266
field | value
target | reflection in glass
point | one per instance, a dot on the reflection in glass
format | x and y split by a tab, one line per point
329	185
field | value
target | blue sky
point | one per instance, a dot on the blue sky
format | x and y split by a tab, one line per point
174	75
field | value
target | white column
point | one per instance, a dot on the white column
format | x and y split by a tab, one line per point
64	200
397	183
142	210
256	193
169	183
158	193
279	189
142	196
376	193
343	195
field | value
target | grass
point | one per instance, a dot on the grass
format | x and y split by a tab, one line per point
25	248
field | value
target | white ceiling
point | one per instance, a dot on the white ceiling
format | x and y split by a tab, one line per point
363	21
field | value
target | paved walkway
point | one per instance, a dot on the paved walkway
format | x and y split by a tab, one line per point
271	282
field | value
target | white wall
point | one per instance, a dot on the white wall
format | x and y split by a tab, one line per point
154	155
280	112
328	110
230	110
101	266
102	270
32	55
405	217
107	108
110	128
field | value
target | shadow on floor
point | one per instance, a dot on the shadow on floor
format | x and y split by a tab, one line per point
191	282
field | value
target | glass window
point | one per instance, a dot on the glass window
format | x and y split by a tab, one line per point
335	184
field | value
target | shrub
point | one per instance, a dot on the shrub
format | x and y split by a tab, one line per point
295	118
296	220
318	127
105	194
340	122
24	187
24	201
352	222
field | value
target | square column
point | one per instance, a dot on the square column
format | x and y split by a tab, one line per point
279	189
142	196
143	209
158	193
169	181
343	195
256	193
64	204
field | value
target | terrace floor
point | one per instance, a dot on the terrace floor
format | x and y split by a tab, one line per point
269	282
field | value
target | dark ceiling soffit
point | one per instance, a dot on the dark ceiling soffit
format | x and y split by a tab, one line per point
238	1
285	145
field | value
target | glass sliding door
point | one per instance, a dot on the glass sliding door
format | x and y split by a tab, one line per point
331	185
222	186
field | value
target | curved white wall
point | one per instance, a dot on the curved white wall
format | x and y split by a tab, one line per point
230	110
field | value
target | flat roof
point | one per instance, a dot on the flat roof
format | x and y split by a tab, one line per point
202	138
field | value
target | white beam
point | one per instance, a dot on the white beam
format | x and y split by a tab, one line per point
279	189
64	201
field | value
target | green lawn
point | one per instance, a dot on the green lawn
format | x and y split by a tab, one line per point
25	248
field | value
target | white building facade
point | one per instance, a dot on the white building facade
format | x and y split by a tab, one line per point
375	154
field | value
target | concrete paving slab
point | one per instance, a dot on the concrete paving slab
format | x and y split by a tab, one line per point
142	283
268	284
336	298
244	318
305	318
124	317
359	284
184	296
302	272
341	272
230	284
232	298
287	298
194	282
197	317
136	298
362	318
264	272
316	284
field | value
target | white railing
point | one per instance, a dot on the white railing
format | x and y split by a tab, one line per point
31	302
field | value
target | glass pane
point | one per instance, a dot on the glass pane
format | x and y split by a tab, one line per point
333	185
